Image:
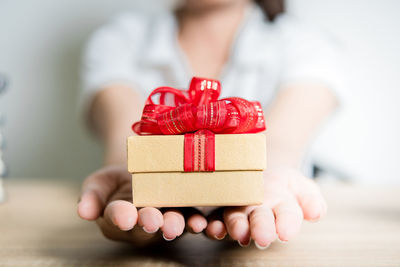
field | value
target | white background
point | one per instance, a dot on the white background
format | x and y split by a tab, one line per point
40	46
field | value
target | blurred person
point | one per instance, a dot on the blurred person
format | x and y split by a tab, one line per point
259	53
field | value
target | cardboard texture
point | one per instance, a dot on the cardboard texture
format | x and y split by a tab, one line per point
159	180
233	152
175	189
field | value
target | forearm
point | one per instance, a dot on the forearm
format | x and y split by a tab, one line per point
113	111
292	121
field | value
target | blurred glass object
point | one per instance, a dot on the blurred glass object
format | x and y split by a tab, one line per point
3	83
3	169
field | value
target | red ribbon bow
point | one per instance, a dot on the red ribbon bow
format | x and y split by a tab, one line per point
199	109
199	114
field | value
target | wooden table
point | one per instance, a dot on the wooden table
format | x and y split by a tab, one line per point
39	226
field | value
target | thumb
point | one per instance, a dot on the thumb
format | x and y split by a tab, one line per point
96	190
309	197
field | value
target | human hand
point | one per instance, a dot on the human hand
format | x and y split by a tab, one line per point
107	198
290	197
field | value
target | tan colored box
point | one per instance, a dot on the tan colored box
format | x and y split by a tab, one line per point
158	180
177	189
164	153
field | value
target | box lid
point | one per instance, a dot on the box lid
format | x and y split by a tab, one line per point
165	153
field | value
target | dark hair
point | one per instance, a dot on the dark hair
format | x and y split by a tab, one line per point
271	8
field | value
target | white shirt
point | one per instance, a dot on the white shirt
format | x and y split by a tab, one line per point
142	51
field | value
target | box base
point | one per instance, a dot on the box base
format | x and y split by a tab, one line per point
177	189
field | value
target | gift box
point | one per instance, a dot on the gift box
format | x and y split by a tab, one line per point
159	179
196	150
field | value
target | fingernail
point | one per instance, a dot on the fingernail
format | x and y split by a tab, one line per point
150	232
167	239
244	245
220	237
282	241
316	219
261	247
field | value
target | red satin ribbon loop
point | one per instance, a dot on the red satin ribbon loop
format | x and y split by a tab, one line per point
198	108
199	114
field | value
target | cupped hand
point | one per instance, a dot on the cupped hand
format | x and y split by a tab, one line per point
107	198
290	197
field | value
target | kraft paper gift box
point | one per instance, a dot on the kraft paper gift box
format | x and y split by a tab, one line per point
159	180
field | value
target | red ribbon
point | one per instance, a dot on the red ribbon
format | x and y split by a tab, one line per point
180	112
199	151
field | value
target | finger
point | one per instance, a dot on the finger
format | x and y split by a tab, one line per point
150	219
262	226
96	189
310	199
216	230
174	224
195	221
237	224
122	214
288	218
90	206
